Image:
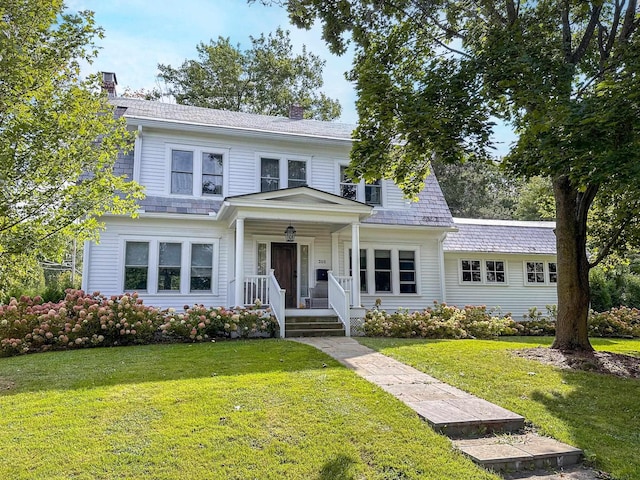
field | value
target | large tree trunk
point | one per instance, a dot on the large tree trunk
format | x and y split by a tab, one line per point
573	266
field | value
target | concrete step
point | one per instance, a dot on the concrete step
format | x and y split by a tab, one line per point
316	332
519	452
313	325
290	319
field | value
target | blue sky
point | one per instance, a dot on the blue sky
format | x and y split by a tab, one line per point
139	34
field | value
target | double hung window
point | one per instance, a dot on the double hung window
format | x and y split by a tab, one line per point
196	171
157	266
387	271
277	173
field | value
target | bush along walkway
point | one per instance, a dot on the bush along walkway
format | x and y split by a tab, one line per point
490	435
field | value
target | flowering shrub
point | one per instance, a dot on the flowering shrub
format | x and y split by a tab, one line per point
617	322
83	320
439	321
445	321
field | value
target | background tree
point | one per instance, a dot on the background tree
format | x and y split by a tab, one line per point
431	74
535	200
267	78
55	130
477	189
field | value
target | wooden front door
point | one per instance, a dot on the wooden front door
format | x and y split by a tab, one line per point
284	262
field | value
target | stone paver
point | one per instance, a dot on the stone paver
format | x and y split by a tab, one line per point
457	413
445	408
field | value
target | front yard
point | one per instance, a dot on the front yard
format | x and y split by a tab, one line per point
598	413
267	409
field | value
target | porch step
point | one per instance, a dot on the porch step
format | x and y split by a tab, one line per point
308	326
519	452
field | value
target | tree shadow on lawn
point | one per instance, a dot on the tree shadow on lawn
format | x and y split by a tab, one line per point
602	414
97	367
337	468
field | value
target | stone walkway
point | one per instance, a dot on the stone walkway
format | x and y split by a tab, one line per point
487	433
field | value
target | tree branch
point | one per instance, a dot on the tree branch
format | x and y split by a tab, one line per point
630	22
566	31
584	201
610	243
588	35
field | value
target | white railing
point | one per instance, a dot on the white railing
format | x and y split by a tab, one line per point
276	300
347	285
339	302
256	287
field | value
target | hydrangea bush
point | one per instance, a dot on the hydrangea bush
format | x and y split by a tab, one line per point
445	321
88	320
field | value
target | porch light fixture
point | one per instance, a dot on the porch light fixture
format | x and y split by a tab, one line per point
290	234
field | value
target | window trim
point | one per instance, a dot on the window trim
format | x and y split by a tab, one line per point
185	264
395	267
483	271
197	149
545	271
283	168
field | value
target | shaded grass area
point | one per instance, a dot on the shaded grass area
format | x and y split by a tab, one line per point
598	413
234	410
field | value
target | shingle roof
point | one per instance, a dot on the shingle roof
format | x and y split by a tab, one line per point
221	118
153	204
501	236
430	210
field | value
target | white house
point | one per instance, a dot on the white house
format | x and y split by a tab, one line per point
241	206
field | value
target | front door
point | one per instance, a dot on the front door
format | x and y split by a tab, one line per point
284	261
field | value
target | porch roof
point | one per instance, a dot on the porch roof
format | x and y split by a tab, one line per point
297	203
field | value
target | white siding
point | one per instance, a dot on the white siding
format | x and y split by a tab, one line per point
516	297
427	263
106	258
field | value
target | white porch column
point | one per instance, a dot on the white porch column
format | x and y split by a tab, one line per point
355	263
239	261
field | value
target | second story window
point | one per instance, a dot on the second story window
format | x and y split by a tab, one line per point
348	189
269	174
373	193
212	173
196	171
369	193
297	173
182	172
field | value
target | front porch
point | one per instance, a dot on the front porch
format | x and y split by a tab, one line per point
287	255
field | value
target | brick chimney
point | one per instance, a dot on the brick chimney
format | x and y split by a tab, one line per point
296	112
109	82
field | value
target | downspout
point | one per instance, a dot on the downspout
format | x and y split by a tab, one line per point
443	288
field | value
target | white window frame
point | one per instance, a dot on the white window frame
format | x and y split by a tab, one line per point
361	188
283	165
370	249
545	272
549	273
197	151
483	272
486	272
185	264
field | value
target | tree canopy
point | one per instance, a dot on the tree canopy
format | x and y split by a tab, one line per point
266	78
432	74
58	135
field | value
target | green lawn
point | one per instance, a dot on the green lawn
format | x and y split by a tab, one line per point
598	413
232	410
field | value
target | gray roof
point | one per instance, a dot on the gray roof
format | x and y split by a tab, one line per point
154	110
501	236
194	206
430	210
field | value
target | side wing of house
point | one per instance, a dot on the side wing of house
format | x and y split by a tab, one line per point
510	266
